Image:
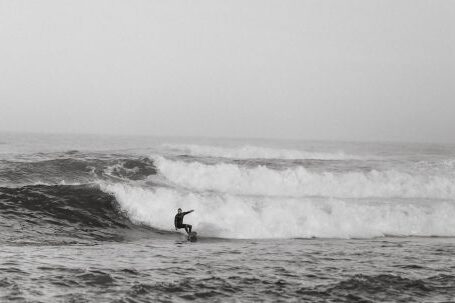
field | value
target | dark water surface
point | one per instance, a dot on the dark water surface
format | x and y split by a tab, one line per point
171	269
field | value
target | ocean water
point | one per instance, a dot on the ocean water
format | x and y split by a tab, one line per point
90	219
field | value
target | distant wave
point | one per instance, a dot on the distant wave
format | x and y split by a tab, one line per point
298	181
71	169
253	152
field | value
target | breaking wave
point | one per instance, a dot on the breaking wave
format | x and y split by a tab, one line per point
236	216
299	181
235	201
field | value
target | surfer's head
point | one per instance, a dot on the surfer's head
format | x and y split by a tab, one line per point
179	210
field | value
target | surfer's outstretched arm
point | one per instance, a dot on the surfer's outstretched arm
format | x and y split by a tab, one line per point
187	212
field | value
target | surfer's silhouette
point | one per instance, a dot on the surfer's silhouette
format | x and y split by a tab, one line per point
178	221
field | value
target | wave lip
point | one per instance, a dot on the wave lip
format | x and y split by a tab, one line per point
253	152
300	182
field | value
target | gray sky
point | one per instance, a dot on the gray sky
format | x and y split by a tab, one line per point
343	70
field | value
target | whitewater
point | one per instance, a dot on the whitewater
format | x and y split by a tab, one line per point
246	192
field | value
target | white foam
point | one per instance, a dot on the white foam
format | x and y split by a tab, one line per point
299	182
230	216
253	152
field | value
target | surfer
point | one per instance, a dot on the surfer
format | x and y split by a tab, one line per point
178	221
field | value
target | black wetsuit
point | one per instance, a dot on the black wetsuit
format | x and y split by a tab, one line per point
178	222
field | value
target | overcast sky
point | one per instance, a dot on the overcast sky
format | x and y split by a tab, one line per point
332	70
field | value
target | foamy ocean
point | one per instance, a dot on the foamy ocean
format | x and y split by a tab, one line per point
90	219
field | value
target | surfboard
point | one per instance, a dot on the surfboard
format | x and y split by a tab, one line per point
192	236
